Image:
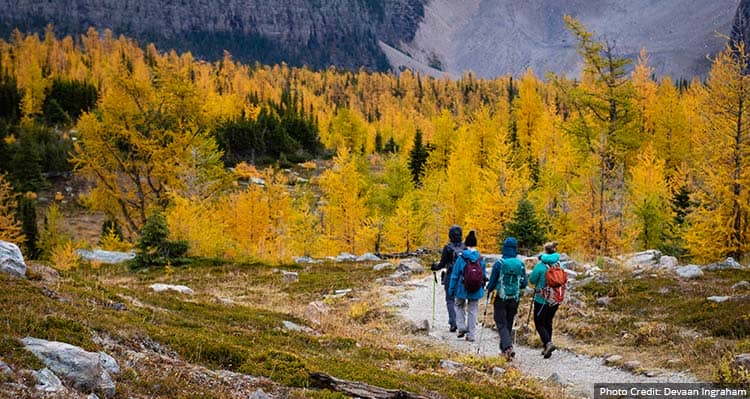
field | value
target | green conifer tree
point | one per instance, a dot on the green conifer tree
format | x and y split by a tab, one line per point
525	227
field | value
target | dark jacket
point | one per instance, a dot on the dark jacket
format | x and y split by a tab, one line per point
451	250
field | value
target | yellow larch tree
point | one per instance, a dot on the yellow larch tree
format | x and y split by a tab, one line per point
10	227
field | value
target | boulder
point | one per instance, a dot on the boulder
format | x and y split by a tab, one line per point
315	310
11	260
99	255
158	287
668	262
306	259
288	325
109	363
421	326
46	273
84	370
382	266
742	361
641	259
689	271
4	368
631	365
727	264
498	371
741	286
410	266
346	257
613	360
450	365
368	257
718	299
289	277
47	381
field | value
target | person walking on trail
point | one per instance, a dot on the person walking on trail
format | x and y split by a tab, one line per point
544	311
509	279
467	285
447	259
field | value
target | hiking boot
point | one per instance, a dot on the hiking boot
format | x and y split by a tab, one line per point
548	349
453	329
461	333
509	354
470	339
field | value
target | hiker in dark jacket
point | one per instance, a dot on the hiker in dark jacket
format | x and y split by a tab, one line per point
508	278
544	312
447	259
467	303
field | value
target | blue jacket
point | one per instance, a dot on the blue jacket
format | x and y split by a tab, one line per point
537	276
510	261
456	287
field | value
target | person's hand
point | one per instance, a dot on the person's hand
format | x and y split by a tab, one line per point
435	266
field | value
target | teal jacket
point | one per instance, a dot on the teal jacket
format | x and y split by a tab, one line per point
456	287
537	276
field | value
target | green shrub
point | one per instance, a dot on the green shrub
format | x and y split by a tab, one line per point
154	249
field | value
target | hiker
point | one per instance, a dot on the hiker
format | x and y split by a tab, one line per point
544	311
467	285
509	278
447	259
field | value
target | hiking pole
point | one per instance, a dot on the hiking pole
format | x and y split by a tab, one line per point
434	284
484	320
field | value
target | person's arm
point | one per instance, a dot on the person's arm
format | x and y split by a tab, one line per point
494	276
444	259
457	270
536	274
524	279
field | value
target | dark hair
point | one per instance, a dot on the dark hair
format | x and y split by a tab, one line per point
471	239
550	247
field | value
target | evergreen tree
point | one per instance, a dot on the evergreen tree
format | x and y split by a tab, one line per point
418	158
27	216
390	146
525	227
26	165
153	248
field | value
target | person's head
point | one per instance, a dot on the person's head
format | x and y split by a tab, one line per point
471	239
455	234
510	247
550	247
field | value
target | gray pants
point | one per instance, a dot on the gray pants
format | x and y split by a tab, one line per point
466	316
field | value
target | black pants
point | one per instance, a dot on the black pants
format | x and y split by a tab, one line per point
543	315
505	312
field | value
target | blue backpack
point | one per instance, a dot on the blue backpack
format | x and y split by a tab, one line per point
509	283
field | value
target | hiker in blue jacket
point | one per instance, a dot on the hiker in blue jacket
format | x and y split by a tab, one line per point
508	278
467	303
447	259
543	311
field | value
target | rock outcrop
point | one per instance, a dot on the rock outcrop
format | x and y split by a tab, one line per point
11	260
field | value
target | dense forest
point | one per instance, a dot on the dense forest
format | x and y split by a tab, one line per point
271	162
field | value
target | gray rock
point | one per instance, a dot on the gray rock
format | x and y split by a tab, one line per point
555	378
158	287
383	266
4	368
346	257
498	370
571	273
450	365
613	360
742	361
46	273
109	363
83	369
718	299
668	262
689	271
47	381
342	292
410	266
102	256
403	347
727	264
652	373
259	394
92	396
289	277
422	326
564	258
609	263
644	258
11	260
314	311
296	327
368	257
674	362
306	259
631	365
603	301
741	286
663	290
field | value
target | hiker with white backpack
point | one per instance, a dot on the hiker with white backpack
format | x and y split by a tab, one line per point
467	286
508	278
549	281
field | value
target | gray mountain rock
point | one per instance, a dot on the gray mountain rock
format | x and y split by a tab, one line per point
11	260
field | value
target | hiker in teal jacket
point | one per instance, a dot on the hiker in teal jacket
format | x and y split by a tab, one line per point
509	278
467	304
544	312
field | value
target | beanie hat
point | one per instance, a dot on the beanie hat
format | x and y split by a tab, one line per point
471	239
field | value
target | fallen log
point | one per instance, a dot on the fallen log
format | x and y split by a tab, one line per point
360	389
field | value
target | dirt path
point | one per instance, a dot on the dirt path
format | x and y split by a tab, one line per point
577	372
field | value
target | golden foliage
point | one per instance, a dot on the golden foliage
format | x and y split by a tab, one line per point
10	228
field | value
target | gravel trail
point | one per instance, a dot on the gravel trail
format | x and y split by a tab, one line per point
577	372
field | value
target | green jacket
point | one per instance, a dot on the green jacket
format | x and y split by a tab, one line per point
537	276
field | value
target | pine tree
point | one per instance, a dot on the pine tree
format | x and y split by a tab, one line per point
525	227
27	216
418	158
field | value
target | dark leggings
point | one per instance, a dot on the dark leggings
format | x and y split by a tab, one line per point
504	313
543	315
